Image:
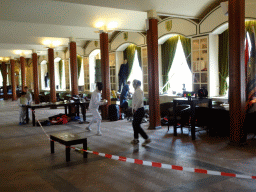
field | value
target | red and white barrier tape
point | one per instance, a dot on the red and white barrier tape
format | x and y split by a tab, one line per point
161	165
167	166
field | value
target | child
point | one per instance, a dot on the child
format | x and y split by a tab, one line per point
22	101
94	107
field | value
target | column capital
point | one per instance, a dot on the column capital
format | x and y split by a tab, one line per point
33	51
72	39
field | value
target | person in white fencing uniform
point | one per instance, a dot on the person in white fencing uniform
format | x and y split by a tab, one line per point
22	101
95	102
29	98
138	114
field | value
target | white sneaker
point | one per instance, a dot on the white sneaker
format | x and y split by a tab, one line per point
99	134
88	129
147	141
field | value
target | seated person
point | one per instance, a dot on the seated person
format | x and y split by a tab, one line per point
124	95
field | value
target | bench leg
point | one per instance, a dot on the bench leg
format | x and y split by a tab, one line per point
52	146
85	148
67	153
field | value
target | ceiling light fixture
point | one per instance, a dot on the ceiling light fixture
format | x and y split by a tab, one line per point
51	44
110	27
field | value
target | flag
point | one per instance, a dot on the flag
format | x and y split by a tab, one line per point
246	58
251	78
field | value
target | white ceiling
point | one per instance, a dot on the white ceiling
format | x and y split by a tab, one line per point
24	24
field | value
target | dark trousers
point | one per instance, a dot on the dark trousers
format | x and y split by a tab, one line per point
122	81
137	118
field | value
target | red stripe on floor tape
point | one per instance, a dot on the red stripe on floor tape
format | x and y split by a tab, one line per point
155	164
166	166
177	167
137	161
108	156
201	171
228	174
122	158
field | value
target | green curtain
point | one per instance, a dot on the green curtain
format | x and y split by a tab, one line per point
139	55
79	64
186	44
223	61
168	52
60	71
130	52
249	24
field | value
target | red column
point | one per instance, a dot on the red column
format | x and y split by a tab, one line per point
237	98
23	75
153	80
14	97
105	73
35	78
52	75
73	66
4	80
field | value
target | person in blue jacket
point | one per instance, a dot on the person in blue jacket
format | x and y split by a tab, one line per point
124	95
123	74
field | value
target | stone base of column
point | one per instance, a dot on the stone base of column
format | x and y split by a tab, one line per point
238	144
154	127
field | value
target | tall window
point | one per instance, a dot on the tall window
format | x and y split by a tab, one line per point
1	79
81	76
136	72
179	73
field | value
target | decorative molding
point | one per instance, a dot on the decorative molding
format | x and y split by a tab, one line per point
96	43
125	36
168	25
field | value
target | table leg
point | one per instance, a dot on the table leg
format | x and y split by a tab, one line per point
52	146
67	153
33	117
83	112
77	111
193	129
85	148
175	119
66	110
27	117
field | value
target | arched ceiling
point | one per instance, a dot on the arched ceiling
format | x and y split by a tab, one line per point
25	24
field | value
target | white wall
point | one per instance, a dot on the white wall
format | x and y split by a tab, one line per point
180	26
133	37
91	47
216	18
214	65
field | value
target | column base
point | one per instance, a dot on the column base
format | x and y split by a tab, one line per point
154	127
238	144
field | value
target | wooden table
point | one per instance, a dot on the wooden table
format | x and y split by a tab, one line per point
69	139
84	106
192	102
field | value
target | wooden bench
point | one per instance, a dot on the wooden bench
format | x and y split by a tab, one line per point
69	139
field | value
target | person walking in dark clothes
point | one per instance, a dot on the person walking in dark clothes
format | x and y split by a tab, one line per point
123	74
138	110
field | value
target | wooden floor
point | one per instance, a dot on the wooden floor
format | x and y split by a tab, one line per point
27	164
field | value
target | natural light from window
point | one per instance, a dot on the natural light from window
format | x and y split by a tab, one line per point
179	73
1	79
136	72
